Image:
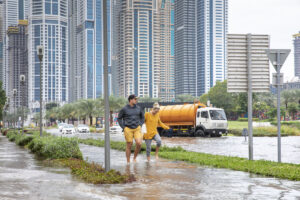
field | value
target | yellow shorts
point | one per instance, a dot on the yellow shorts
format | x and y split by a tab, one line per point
132	133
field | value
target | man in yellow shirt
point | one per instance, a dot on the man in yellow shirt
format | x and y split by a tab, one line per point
152	120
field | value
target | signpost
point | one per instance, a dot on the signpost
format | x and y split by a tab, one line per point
248	70
277	58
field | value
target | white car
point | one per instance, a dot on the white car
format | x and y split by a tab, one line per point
68	129
81	128
60	126
115	129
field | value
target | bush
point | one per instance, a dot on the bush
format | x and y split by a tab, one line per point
246	119
55	147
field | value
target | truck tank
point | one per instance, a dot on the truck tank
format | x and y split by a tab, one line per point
179	115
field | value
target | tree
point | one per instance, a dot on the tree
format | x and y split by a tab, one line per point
88	108
115	104
185	98
287	97
204	98
2	100
220	98
293	109
51	105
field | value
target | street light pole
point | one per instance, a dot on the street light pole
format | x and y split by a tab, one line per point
22	81
15	94
40	53
106	97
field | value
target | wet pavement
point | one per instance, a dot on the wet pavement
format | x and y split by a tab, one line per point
24	177
263	147
165	179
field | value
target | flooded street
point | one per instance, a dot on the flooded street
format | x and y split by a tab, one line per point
24	177
264	147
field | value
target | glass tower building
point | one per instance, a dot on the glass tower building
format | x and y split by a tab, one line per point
86	48
139	46
200	45
48	26
297	54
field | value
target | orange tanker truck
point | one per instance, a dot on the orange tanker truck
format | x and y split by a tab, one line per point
193	120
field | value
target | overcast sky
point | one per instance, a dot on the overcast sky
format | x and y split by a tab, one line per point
278	18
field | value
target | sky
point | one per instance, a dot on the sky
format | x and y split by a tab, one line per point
278	18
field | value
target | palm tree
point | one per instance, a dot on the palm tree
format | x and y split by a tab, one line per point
115	104
287	97
88	108
185	98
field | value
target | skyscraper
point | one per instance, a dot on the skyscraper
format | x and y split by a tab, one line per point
139	51
167	73
200	45
297	54
48	26
86	56
13	11
18	63
1	41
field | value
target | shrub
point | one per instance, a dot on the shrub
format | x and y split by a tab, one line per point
246	119
55	147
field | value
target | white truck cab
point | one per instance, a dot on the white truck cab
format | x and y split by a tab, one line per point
211	121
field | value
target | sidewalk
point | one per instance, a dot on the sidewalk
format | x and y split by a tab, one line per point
167	179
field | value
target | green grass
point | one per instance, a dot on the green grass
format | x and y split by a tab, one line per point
91	172
236	127
260	167
66	152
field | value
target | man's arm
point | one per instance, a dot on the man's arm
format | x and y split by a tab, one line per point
120	118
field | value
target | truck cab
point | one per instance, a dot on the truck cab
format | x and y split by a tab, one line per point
211	122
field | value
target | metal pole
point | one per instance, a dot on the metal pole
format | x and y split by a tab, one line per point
41	100
250	135
106	97
15	113
278	108
23	99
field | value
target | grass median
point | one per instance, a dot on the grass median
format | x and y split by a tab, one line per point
260	167
65	152
236	128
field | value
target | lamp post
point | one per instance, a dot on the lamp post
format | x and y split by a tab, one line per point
14	95
22	81
40	53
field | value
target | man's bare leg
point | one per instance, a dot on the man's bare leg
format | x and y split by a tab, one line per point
138	144
128	151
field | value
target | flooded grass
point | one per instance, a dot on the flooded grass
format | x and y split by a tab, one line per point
260	167
66	152
236	128
92	172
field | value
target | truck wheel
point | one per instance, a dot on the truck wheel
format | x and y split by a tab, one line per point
199	133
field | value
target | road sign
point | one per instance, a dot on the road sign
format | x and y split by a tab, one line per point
244	50
272	55
277	58
274	79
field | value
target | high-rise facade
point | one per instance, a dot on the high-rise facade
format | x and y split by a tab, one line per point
86	48
167	73
139	48
297	54
200	45
13	11
18	63
48	26
1	40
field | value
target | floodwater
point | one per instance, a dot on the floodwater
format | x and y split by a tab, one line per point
263	147
24	177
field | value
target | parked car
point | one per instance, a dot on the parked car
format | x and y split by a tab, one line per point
82	128
60	126
68	129
115	129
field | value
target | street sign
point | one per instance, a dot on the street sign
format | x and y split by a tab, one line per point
274	79
277	58
243	51
272	55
